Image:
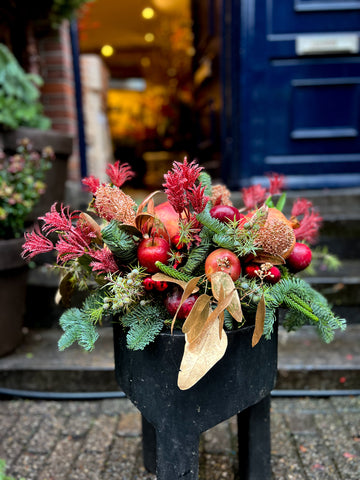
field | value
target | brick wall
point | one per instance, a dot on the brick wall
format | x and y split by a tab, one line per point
58	92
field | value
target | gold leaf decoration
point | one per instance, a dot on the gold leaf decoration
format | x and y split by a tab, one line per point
201	355
223	280
196	319
259	321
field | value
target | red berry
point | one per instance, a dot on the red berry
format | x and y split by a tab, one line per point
299	258
175	240
148	283
273	275
161	286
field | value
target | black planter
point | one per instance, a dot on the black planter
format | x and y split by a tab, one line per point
13	278
240	383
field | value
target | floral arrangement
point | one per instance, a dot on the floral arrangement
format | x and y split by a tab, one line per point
189	260
22	182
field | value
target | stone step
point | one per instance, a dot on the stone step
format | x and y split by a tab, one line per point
305	363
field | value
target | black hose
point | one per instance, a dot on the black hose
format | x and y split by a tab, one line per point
39	395
83	396
314	393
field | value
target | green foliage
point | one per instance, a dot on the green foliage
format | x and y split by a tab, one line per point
213	224
205	180
77	328
22	182
3	476
172	272
305	306
145	322
196	257
19	95
64	9
93	306
120	242
280	204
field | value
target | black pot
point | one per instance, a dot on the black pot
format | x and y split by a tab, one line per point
13	279
173	419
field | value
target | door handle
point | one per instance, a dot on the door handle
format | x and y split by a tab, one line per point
324	44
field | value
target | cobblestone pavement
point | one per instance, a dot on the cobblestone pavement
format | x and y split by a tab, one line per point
312	439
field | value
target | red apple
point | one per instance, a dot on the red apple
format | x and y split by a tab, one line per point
172	302
152	249
299	258
225	213
223	260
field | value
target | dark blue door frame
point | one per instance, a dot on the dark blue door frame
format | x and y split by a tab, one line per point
285	108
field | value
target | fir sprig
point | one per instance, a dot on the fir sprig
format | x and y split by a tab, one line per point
172	272
77	328
145	322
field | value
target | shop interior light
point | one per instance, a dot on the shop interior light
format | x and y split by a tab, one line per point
149	37
148	13
107	50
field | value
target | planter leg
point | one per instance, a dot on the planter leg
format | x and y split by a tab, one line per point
254	441
149	445
177	454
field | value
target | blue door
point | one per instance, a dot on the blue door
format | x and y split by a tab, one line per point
291	92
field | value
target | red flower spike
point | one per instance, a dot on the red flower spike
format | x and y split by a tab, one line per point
91	183
35	244
277	183
148	283
253	196
119	174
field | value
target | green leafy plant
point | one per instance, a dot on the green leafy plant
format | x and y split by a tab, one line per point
3	476
65	9
19	95
215	272
22	182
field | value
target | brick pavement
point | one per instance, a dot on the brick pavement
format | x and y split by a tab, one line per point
312	439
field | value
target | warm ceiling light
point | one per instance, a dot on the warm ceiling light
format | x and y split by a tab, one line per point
107	50
149	37
148	13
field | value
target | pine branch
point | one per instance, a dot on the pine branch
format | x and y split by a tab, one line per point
145	322
196	257
205	180
211	223
120	242
172	272
77	328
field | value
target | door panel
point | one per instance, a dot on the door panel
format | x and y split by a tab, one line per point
298	102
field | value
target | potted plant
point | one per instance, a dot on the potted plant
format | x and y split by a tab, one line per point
21	116
22	182
193	285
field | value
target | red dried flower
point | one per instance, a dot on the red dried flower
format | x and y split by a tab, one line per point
105	261
181	191
277	183
253	196
197	198
35	244
58	221
119	174
92	183
310	223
